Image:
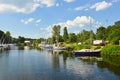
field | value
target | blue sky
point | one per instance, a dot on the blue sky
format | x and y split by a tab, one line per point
35	18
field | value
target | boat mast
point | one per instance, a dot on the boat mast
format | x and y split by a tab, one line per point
90	34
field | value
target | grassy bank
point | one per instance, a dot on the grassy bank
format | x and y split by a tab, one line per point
111	50
74	46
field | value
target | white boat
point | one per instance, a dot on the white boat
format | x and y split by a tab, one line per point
26	47
48	46
58	47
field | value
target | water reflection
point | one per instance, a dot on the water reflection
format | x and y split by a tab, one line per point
54	65
55	59
112	60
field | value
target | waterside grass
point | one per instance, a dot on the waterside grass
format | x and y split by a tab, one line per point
75	46
111	50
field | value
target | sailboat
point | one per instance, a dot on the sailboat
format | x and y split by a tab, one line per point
87	52
58	47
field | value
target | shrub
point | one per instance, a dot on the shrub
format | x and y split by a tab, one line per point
111	50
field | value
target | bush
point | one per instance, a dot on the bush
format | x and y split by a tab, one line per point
111	50
98	47
79	47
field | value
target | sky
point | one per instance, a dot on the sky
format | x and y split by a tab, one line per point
35	18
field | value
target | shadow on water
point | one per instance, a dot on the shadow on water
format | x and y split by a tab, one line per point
104	62
56	57
111	63
112	60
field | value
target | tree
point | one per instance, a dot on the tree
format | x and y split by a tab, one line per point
8	37
1	36
7	33
72	37
101	33
115	37
114	34
56	33
21	39
65	34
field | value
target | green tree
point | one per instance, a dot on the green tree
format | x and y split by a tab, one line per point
72	37
1	36
114	37
65	34
21	39
7	33
101	33
8	37
56	33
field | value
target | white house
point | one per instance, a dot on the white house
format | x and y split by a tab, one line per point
98	42
26	41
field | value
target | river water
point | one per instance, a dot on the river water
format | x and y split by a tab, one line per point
53	65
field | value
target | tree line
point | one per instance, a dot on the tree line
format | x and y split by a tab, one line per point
109	34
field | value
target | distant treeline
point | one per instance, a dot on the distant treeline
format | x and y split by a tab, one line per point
109	34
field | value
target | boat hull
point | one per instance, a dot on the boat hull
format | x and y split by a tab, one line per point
77	53
59	48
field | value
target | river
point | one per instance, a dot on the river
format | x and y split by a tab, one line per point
52	65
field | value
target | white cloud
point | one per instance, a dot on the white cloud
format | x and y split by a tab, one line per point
26	6
57	4
49	31
30	20
48	3
97	6
79	8
13	8
38	21
101	5
27	21
68	1
79	21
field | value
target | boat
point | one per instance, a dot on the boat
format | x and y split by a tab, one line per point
48	46
26	48
87	52
58	47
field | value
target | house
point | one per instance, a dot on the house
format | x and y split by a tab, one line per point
98	43
26	41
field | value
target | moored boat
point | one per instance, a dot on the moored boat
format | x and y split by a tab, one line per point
87	52
58	47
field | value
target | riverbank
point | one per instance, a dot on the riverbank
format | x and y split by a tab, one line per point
75	46
111	50
108	50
